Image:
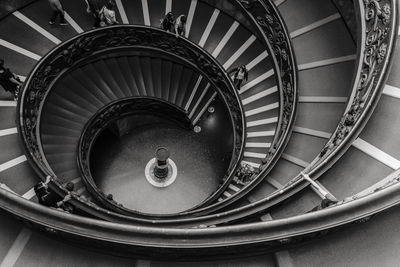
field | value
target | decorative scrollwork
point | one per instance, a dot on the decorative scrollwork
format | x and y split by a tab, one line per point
378	17
276	39
278	42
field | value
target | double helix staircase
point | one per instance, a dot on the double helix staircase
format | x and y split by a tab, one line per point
327	61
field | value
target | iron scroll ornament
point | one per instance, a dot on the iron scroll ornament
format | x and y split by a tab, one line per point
378	20
270	26
268	19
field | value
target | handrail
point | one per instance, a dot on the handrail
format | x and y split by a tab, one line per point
376	42
273	29
66	55
228	240
225	241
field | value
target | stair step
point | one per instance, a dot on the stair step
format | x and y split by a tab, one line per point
234	188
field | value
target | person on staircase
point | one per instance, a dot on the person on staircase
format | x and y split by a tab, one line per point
325	203
9	81
245	174
45	196
240	75
94	7
58	11
63	204
167	24
107	15
49	198
180	26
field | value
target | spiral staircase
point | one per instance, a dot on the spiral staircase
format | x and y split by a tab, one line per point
316	120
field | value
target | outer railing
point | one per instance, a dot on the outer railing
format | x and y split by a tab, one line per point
378	32
255	237
90	44
224	242
377	23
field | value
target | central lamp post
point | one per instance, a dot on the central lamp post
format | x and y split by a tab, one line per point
161	167
161	171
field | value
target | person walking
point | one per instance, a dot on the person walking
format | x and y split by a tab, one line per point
167	24
94	7
107	15
180	26
240	75
58	11
46	196
9	81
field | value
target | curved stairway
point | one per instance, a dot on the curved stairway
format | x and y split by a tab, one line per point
321	105
325	73
324	81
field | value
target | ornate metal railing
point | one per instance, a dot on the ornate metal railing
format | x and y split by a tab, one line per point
267	23
375	49
254	237
273	29
84	47
192	244
377	32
